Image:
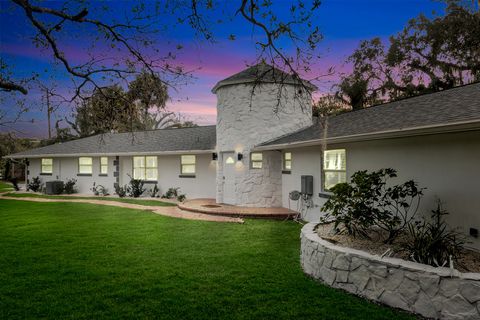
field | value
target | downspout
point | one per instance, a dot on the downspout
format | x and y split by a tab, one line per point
59	168
27	163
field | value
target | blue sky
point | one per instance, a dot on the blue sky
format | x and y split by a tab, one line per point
344	23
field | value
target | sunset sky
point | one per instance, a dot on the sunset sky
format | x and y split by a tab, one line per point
343	23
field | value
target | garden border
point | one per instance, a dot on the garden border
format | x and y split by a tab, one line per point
431	292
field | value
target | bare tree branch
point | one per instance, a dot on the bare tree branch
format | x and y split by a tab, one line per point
10	86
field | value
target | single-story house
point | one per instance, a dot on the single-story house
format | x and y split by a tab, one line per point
266	139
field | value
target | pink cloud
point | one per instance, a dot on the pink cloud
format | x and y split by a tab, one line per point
202	113
213	63
191	107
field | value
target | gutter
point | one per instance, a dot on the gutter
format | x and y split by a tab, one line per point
224	83
460	126
106	154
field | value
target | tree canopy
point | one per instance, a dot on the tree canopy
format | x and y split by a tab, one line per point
150	94
141	107
428	55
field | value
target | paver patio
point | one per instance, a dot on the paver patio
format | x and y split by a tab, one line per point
209	206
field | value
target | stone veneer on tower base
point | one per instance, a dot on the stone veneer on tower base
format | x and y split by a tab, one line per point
438	293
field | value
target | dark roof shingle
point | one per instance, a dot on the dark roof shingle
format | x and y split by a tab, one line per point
154	141
262	72
441	108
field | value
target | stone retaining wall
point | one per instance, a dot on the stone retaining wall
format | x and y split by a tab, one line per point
438	293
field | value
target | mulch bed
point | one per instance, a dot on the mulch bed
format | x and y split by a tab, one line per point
469	260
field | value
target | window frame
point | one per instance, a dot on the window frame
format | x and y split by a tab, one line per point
284	163
79	173
145	168
103	166
182	164
42	171
324	171
252	161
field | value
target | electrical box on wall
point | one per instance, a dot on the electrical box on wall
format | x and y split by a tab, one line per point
307	185
474	232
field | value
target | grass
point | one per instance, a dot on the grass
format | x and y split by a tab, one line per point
5	186
81	261
125	200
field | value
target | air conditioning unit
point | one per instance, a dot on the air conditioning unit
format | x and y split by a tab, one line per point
54	187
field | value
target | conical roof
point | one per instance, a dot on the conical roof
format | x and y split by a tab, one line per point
262	73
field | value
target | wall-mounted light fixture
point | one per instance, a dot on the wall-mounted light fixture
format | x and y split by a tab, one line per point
214	156
239	156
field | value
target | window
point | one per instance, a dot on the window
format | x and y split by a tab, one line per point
145	168
188	165
103	165
85	165
334	168
47	166
256	160
287	161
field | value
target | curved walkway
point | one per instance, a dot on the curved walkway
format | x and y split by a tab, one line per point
174	212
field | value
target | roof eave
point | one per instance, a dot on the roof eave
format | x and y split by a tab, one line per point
388	134
223	83
107	154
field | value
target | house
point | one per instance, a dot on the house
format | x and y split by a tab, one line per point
266	139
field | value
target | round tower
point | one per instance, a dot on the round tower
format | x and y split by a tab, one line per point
254	106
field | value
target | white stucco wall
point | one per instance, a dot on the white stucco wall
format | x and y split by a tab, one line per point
67	168
245	120
202	186
447	164
305	161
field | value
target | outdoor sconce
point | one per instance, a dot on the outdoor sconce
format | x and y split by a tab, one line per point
214	156
239	156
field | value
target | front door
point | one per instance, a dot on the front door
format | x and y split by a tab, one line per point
228	177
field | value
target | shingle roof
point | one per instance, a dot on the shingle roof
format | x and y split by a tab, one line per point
451	106
154	141
262	72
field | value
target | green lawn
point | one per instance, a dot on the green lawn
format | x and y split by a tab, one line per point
126	200
81	261
5	186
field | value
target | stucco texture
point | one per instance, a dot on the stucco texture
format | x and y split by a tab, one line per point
446	164
248	115
67	168
200	186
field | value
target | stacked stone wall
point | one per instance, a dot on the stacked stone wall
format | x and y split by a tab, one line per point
438	293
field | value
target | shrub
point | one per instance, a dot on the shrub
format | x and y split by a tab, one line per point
69	186
95	189
103	191
99	190
367	202
431	242
135	189
171	193
121	191
181	198
35	184
154	191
